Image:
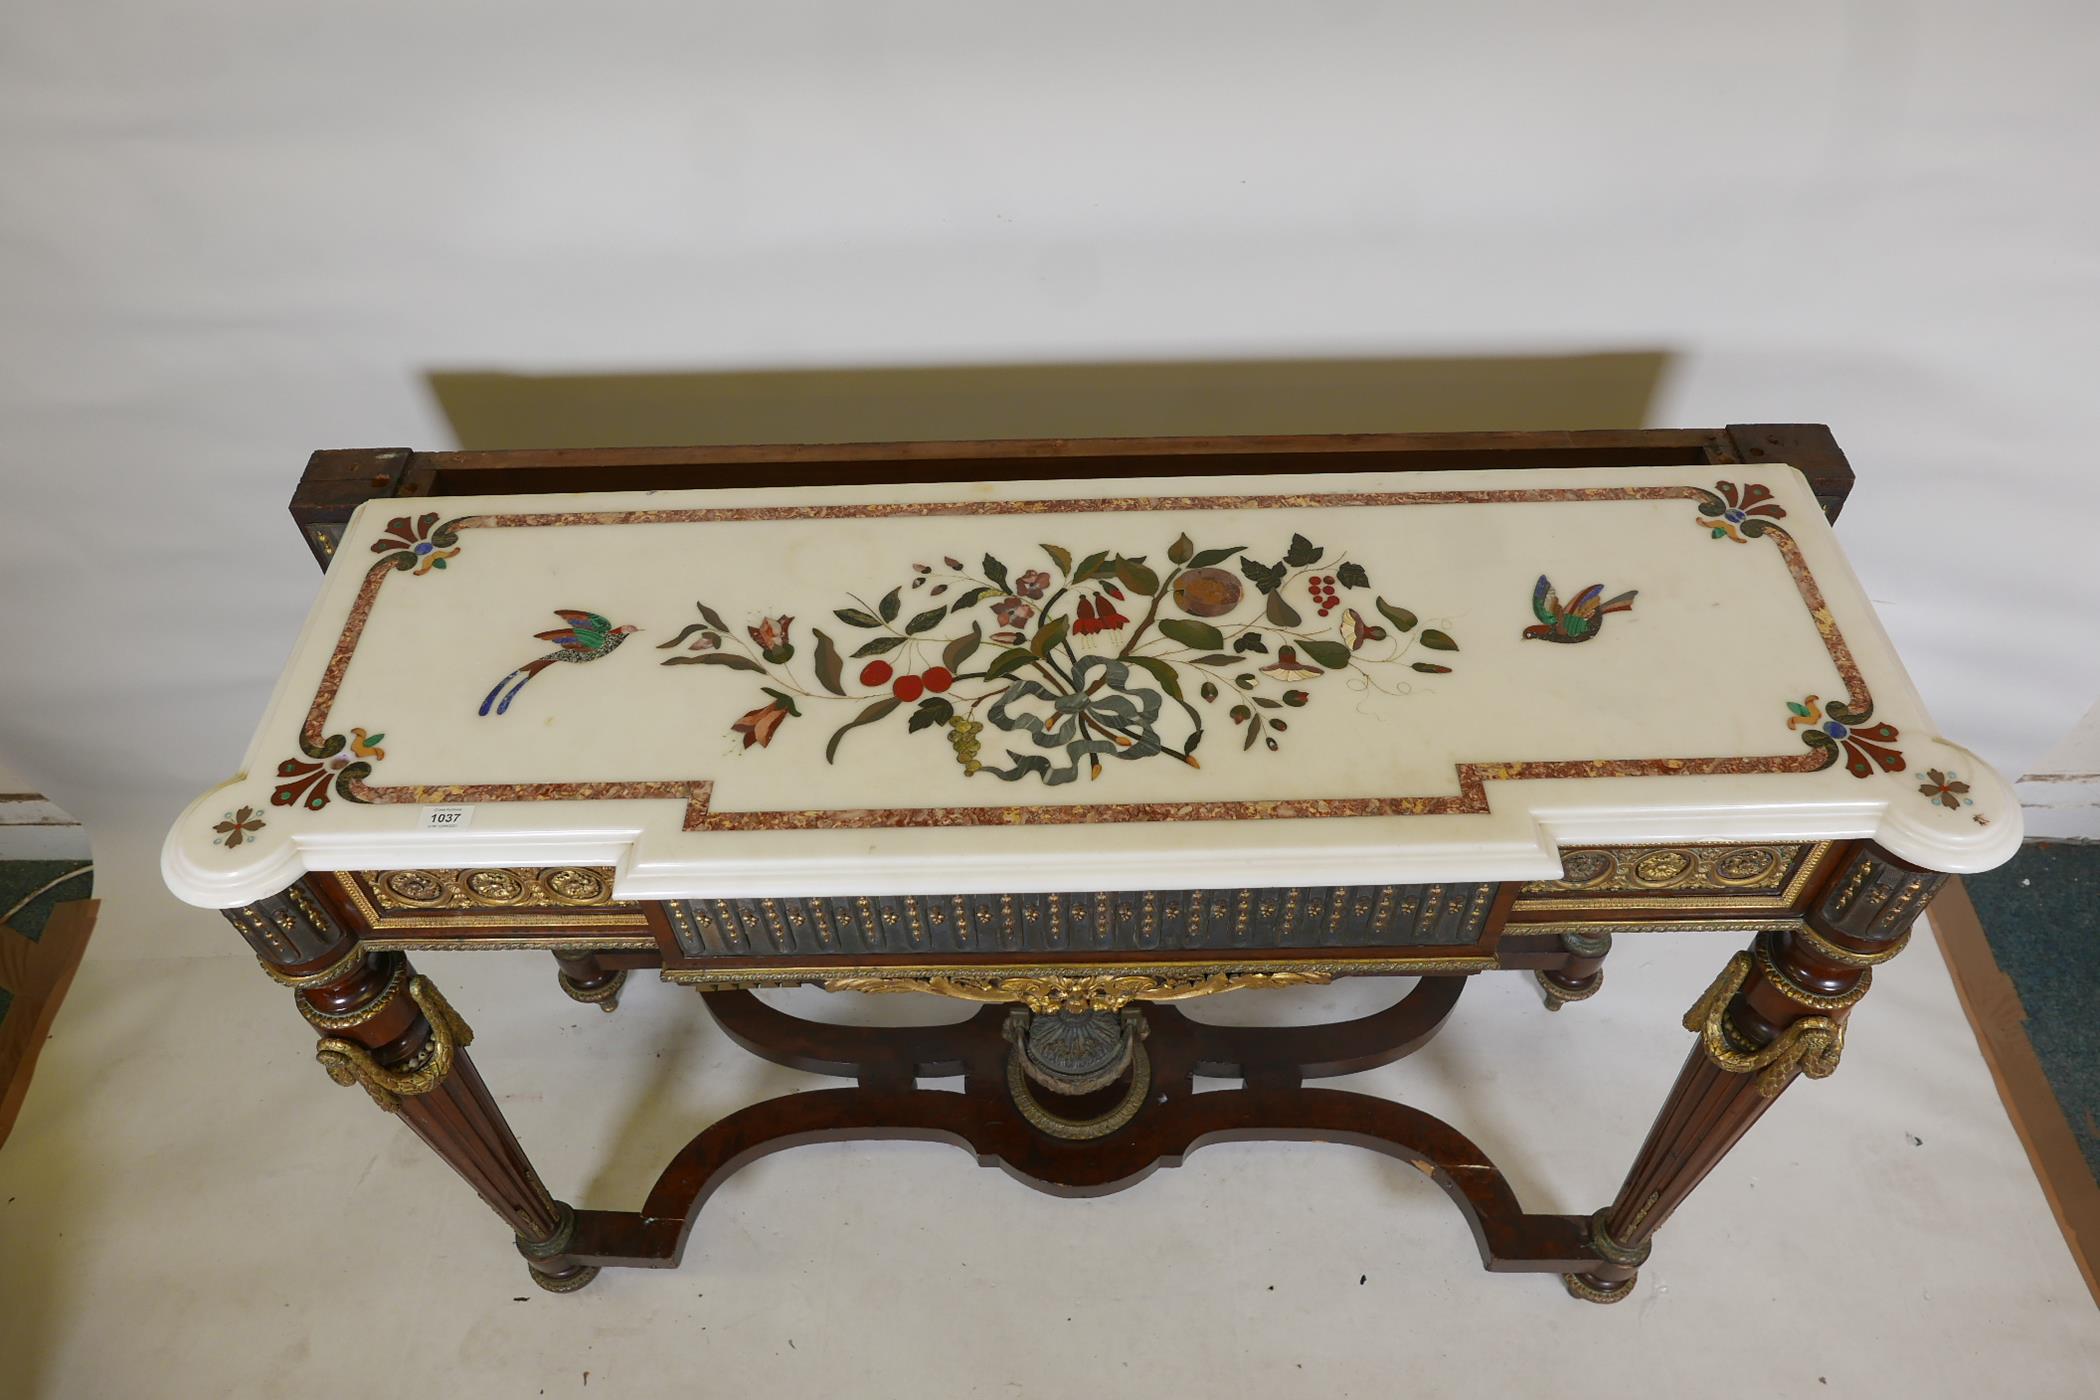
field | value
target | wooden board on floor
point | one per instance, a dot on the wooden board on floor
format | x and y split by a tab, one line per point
37	972
1994	1010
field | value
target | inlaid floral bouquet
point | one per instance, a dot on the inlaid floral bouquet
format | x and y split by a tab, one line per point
1107	657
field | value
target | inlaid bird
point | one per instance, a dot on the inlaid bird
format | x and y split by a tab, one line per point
1578	621
587	637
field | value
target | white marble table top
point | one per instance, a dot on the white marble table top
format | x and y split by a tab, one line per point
1016	686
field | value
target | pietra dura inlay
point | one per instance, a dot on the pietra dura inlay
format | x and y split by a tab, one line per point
1033	686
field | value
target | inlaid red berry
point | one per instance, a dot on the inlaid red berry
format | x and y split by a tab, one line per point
908	688
875	673
939	679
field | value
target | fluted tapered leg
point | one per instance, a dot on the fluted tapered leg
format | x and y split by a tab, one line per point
1776	1012
389	1030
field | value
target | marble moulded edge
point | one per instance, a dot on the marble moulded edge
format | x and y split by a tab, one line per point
343	763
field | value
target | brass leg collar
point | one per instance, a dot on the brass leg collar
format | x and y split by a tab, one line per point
605	996
349	1063
1586	945
1811	1045
556	1243
335	972
570	1279
322	1020
1631	1256
1850	957
1808	996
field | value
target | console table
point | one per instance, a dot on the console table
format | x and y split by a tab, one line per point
1079	730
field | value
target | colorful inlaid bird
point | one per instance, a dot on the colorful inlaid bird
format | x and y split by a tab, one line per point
1578	621
587	637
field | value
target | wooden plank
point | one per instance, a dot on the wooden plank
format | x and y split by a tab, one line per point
37	973
1998	1018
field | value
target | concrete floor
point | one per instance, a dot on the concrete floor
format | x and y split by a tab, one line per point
188	1208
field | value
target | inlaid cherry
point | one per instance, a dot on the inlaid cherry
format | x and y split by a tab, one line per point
908	688
939	679
875	673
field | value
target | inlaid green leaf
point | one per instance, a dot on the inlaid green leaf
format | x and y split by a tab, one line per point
1798	708
868	716
1333	655
1253	731
830	668
785	700
1303	552
930	712
958	651
1207	557
1266	703
1063	557
1179	551
1437	641
891	602
925	621
1049	637
1282	613
1250	641
876	646
730	659
1265	577
1200	635
1399	617
971	598
714	619
1216	659
1352	575
996	572
1087	568
1161	672
1136	577
856	617
1007	662
1432	669
702	627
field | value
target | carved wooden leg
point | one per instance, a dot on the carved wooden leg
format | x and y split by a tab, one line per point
1776	1010
1582	977
587	980
388	1029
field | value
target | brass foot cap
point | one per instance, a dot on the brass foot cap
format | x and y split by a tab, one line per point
1583	1287
567	1281
1556	993
605	996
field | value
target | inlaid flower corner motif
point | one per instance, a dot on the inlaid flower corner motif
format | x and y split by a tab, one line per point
236	827
1837	729
1739	513
417	546
332	765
